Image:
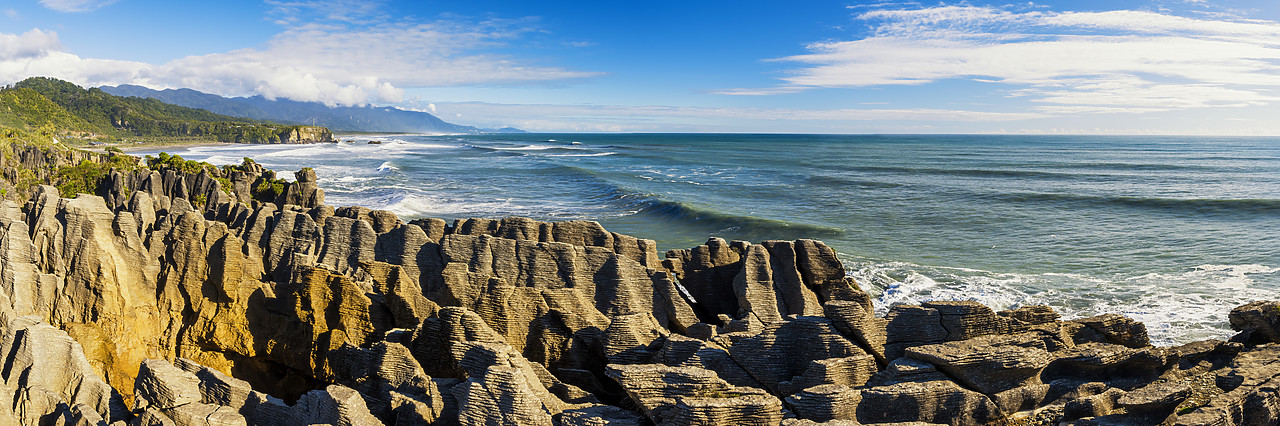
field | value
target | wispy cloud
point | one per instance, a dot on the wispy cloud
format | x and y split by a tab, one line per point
348	56
75	5
11	14
350	11
622	118
1070	61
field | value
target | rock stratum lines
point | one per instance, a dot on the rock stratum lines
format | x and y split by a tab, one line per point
169	299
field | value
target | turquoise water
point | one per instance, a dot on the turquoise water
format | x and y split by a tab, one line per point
1173	231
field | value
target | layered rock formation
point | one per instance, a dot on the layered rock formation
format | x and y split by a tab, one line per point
138	306
306	134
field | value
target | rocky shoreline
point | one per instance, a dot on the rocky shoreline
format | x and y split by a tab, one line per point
185	297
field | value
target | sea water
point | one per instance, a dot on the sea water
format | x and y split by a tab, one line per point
1172	231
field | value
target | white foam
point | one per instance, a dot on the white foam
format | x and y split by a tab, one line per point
1177	307
527	148
349	179
598	154
219	160
387	166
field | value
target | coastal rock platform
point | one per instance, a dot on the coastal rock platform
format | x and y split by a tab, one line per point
139	305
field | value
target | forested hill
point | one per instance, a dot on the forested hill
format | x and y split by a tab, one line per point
92	114
356	118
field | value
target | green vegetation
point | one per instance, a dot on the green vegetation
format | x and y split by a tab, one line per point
225	184
84	178
80	179
93	115
266	189
176	162
246	165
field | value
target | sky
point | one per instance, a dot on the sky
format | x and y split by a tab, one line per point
1195	67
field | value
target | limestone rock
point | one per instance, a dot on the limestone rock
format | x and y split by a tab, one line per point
986	365
500	396
785	352
968	319
822	271
1260	319
303	191
336	405
1107	363
932	402
746	409
826	402
388	376
163	386
219	389
909	325
707	272
906	370
1156	397
598	415
680	351
857	321
1032	315
1251	392
1117	329
46	372
1101	404
687	395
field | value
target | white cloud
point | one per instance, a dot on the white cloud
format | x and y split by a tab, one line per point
619	118
1072	61
75	5
11	14
337	63
31	44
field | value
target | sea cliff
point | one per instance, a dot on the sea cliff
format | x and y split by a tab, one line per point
183	294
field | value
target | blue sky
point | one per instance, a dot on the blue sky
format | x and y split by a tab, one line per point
1115	67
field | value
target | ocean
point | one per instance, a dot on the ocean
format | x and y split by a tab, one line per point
1172	231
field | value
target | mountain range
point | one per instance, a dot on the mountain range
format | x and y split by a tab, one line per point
63	108
357	119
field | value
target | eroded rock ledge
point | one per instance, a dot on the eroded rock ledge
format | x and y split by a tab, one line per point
134	307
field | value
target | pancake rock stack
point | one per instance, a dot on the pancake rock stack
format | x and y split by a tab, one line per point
136	307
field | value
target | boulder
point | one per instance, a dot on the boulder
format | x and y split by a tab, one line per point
1260	320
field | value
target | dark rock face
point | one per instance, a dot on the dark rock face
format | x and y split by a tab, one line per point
143	306
1260	321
